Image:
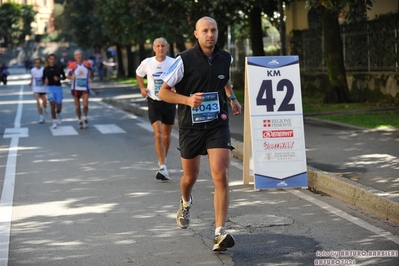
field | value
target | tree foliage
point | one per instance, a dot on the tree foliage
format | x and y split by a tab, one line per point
124	23
15	22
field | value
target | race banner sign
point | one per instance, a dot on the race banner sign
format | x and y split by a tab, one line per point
276	119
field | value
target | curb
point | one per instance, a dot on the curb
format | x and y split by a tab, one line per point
371	200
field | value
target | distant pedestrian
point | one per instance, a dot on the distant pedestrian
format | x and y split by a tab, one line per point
52	76
100	66
81	75
39	88
161	114
201	78
3	73
28	65
92	61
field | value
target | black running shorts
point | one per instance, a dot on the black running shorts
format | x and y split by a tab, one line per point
194	142
161	111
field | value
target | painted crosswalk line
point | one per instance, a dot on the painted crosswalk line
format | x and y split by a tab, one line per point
109	129
21	132
64	131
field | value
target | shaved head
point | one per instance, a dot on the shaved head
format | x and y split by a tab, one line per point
203	19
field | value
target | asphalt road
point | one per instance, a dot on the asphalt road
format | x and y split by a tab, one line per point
90	197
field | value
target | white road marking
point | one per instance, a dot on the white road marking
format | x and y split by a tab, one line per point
109	129
21	132
147	126
7	195
333	210
346	216
64	131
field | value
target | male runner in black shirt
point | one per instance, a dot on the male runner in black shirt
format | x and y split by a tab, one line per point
52	76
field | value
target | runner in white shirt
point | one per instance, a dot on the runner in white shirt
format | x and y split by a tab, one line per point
39	88
161	114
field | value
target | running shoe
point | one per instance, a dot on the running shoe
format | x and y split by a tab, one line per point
41	120
80	123
59	118
54	125
85	123
162	174
223	241
183	214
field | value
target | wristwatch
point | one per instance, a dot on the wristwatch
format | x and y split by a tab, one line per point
232	97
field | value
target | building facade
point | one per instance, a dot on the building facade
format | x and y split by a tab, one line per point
298	17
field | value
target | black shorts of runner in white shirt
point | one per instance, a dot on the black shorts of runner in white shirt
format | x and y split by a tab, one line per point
161	111
194	142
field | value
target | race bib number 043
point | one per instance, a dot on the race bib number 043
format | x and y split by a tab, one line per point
208	110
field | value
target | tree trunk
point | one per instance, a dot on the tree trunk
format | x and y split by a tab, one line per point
142	52
283	50
222	35
338	92
121	69
130	62
171	50
180	43
255	24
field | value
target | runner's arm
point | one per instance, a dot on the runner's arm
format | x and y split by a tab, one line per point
235	105
62	73
166	94
143	88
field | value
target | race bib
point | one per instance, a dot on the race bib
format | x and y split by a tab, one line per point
81	82
157	85
38	82
208	110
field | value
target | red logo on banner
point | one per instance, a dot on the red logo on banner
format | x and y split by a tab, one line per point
279	146
277	133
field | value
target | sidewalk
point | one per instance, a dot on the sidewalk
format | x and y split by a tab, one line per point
356	165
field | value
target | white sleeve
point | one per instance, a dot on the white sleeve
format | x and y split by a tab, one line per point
141	70
174	74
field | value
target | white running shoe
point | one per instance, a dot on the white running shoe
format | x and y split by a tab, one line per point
41	120
162	174
59	119
54	125
85	123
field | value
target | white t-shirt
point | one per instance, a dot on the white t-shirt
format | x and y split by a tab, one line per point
153	69
175	73
37	83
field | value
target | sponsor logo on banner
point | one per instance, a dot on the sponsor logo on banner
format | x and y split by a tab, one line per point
277	134
279	146
274	62
283	122
267	157
279	156
282	184
284	156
